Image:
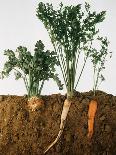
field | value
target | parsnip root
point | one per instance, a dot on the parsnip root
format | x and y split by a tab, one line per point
91	116
66	106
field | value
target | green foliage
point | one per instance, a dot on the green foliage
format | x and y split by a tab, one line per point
98	58
72	30
34	69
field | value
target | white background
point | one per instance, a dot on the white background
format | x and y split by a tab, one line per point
20	26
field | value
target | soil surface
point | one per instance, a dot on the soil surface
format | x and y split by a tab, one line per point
27	132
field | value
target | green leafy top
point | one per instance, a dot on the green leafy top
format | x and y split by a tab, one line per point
69	25
32	68
72	29
98	58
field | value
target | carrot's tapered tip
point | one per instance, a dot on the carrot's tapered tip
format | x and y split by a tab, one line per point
89	135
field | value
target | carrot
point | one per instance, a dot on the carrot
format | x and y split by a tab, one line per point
66	106
91	116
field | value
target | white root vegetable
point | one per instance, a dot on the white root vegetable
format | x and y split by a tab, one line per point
66	106
35	103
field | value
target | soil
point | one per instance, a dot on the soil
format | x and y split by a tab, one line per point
27	132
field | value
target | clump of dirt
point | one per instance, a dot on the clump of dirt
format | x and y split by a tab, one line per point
27	132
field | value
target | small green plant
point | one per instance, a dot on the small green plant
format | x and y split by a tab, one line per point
72	30
98	58
33	69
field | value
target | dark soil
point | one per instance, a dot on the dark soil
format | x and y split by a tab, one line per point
26	132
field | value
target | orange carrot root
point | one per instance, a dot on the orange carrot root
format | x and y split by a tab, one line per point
65	110
91	116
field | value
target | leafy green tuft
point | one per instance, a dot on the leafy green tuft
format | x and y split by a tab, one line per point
33	69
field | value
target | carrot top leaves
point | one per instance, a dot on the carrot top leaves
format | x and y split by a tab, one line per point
98	58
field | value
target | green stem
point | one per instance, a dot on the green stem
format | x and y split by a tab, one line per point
65	80
97	78
81	71
74	53
73	77
26	83
77	60
36	88
40	89
68	74
94	80
69	78
24	79
62	62
30	92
